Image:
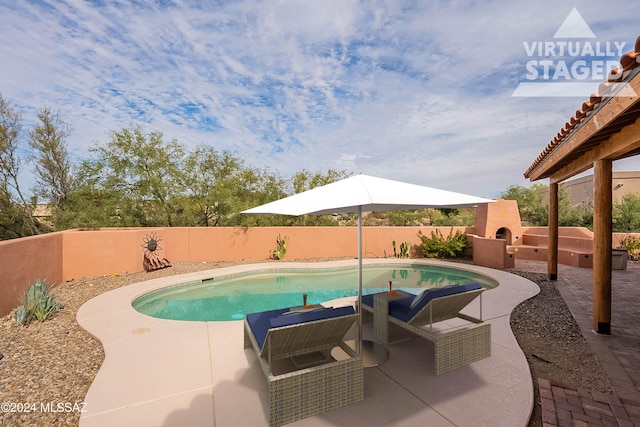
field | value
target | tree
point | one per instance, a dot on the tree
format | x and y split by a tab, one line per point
142	169
626	215
536	213
532	210
407	217
12	225
213	181
454	217
11	167
52	163
259	187
305	180
573	215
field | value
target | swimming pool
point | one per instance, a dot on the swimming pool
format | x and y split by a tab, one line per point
231	297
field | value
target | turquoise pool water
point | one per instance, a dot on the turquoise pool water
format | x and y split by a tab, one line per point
232	297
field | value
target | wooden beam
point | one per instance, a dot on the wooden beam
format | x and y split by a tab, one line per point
616	147
603	172
596	121
552	245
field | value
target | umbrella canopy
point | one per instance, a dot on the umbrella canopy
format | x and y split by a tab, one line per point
365	193
368	193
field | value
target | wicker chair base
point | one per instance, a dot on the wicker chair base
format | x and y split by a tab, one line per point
313	391
302	393
454	348
458	348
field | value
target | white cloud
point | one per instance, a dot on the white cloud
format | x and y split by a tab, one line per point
413	91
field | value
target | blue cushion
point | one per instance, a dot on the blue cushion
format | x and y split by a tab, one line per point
427	294
402	310
308	316
368	299
259	323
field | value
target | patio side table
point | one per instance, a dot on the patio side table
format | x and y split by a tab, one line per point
381	314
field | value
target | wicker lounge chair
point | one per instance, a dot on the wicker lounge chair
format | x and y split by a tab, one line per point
454	347
294	350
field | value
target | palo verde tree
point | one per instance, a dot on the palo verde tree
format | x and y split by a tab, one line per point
257	187
138	176
19	207
47	140
213	182
12	225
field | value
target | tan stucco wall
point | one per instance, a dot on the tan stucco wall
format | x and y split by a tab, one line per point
75	254
499	214
24	260
580	190
492	253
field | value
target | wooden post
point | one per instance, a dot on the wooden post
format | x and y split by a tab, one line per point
602	228
552	245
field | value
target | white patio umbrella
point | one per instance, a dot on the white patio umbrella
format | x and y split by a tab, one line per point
363	193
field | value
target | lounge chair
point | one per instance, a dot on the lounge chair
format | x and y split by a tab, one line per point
295	352
454	346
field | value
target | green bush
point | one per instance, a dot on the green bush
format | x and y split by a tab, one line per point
438	246
632	245
37	304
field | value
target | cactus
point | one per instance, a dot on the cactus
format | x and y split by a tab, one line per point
404	249
281	248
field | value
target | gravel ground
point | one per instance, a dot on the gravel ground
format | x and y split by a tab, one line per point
51	365
553	343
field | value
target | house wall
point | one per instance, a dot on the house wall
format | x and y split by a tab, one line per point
580	190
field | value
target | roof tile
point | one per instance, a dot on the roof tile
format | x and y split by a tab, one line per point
628	61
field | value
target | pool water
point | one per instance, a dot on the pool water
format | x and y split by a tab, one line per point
232	297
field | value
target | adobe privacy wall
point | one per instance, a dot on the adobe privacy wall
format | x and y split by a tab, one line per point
74	254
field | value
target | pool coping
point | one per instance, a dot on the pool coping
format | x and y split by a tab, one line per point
170	372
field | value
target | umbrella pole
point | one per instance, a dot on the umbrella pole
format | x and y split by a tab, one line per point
359	326
372	353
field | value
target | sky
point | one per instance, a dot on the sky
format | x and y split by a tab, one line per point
418	91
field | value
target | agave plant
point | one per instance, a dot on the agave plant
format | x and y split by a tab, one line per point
37	304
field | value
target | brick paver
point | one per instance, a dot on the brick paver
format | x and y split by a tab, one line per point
618	353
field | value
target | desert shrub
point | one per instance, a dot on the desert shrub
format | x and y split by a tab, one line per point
438	246
632	245
37	304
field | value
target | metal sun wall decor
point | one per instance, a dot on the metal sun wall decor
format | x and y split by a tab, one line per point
151	253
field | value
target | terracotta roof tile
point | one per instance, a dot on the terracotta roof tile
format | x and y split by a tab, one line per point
628	61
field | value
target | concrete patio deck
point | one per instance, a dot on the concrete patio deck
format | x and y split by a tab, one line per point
175	373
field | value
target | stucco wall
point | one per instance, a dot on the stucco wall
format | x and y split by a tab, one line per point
491	253
580	190
24	260
501	214
75	254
